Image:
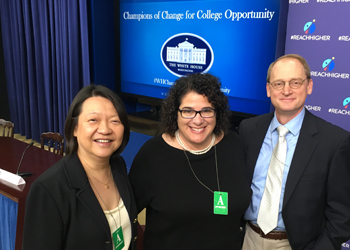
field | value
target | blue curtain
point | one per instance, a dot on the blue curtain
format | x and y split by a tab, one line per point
8	218
46	61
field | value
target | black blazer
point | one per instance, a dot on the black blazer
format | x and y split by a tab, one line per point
316	203
62	211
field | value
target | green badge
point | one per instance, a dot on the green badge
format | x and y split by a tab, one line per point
118	239
221	203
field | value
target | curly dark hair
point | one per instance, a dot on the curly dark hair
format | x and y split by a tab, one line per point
203	84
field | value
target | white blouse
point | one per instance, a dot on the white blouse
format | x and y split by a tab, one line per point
117	219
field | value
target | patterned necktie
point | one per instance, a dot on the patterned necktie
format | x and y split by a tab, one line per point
269	206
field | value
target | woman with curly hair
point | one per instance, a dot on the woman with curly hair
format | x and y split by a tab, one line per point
191	179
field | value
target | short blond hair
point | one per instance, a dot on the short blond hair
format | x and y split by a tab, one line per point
290	56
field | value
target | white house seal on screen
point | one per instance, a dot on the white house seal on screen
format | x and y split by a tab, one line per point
186	53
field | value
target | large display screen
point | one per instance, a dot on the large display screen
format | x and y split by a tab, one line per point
233	40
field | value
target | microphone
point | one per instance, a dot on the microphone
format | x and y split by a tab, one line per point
24	174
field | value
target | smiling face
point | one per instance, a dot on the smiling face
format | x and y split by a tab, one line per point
288	102
99	131
195	133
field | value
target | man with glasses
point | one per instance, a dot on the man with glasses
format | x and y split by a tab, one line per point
299	169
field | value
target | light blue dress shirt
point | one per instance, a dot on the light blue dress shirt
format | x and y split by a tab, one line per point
263	162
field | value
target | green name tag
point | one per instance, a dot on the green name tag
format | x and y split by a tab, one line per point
221	203
118	239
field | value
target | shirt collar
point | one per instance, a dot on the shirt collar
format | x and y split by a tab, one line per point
293	125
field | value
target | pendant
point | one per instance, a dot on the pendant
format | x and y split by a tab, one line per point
107	186
118	239
220	203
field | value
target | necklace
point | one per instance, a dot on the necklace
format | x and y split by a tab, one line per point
109	211
107	186
220	198
195	152
117	235
217	172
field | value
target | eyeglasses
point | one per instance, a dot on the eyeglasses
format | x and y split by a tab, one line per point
190	113
294	83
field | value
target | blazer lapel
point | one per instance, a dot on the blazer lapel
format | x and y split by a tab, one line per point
120	181
304	149
77	178
88	199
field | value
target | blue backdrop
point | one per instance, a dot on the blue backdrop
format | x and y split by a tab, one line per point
241	34
316	30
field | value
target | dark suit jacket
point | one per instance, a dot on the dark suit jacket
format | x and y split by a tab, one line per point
316	203
62	211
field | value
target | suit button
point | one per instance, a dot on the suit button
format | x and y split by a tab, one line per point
241	229
107	242
135	238
135	220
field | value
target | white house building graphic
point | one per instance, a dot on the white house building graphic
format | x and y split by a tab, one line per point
185	52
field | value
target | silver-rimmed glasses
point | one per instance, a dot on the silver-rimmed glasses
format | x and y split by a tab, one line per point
293	83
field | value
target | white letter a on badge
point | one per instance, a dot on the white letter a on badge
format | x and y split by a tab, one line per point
220	201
